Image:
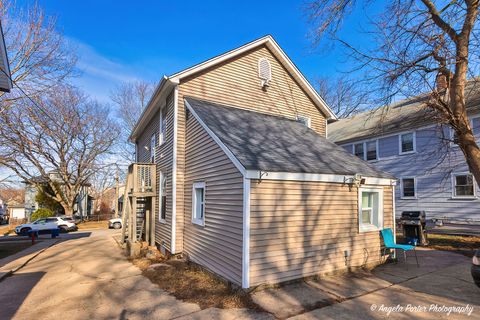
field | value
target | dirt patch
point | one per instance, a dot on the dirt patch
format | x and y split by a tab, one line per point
189	282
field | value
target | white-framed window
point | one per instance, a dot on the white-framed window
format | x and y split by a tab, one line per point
163	198
463	185
306	121
163	126
371	150
198	203
358	150
408	187
153	141
407	142
370	209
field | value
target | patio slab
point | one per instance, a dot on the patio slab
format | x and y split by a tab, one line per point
292	299
349	286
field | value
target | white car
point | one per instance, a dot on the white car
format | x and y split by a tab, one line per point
46	224
115	223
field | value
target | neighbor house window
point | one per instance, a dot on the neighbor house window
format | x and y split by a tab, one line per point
463	185
152	148
304	120
407	142
371	147
163	125
408	187
358	150
163	197
198	203
370	209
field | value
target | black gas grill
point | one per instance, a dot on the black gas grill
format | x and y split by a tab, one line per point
414	227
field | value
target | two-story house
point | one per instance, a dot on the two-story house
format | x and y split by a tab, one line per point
242	179
405	140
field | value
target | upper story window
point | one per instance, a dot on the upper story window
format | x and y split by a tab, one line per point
358	150
304	120
152	148
408	188
163	126
371	147
407	142
463	185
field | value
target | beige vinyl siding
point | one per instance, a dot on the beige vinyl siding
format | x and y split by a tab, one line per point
299	229
218	244
236	83
163	159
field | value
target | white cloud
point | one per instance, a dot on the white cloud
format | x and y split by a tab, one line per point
100	74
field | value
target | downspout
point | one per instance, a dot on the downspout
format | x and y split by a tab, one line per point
246	234
394	223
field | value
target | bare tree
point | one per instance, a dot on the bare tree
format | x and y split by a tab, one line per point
414	47
345	96
39	56
61	140
130	98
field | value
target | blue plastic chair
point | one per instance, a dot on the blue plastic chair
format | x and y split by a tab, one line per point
387	235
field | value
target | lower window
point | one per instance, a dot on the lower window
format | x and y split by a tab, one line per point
163	197
408	188
198	203
463	185
370	209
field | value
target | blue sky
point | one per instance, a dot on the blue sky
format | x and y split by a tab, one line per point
125	40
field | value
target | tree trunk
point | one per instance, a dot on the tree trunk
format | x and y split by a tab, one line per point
68	211
471	152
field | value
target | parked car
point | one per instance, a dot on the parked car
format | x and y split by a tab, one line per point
46	224
476	267
4	219
115	223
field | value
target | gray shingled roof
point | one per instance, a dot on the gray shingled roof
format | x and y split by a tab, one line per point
276	144
403	115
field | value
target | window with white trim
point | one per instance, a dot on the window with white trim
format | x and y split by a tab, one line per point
370	209
463	185
163	197
152	148
407	142
408	188
358	150
304	120
163	126
198	203
371	148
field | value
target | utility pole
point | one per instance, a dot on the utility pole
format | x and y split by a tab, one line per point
116	194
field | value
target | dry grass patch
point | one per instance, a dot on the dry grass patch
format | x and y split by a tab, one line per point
189	282
465	245
92	225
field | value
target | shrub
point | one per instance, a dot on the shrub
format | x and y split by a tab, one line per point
41	213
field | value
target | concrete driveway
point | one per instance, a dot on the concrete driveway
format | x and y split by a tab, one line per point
85	276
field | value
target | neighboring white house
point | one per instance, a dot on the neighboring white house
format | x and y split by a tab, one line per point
5	80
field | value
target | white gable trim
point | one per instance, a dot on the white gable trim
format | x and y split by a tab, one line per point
5	73
278	52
